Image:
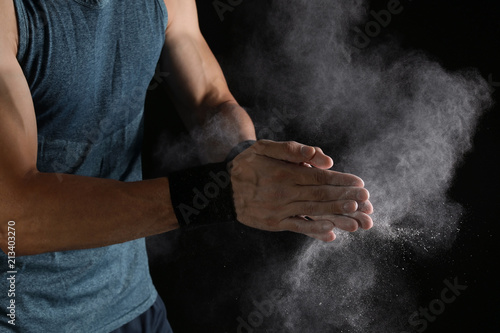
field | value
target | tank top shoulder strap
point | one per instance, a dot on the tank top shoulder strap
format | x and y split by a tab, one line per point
40	18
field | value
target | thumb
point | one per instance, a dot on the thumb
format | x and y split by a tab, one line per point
294	152
319	159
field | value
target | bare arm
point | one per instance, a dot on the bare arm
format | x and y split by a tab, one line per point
67	212
198	87
63	212
199	91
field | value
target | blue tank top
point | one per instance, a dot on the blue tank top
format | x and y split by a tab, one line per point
88	64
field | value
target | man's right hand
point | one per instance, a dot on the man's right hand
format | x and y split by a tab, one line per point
273	191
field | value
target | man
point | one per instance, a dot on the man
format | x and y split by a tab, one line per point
73	78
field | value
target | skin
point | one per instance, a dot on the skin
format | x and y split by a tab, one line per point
275	184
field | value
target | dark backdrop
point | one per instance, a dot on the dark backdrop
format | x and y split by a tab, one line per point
203	276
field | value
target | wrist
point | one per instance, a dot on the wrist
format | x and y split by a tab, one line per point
238	149
202	195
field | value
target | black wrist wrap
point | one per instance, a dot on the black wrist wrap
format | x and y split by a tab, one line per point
239	149
202	195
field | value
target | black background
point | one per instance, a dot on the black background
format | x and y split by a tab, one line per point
202	276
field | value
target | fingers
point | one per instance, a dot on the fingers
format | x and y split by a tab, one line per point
350	222
321	208
329	193
276	184
313	176
364	220
294	152
321	228
301	225
274	153
325	237
317	157
365	207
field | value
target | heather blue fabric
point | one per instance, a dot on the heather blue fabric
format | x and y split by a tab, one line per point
88	64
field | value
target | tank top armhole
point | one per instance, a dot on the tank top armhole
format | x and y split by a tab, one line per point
22	27
164	10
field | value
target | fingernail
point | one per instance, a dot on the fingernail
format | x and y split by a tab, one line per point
362	182
307	151
361	195
351	206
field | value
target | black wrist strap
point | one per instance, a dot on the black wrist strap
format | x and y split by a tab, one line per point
202	195
239	149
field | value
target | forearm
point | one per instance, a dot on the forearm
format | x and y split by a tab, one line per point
198	88
68	212
225	127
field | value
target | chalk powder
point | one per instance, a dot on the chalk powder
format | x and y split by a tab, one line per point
404	123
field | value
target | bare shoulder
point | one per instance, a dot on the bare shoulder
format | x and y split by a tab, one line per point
8	30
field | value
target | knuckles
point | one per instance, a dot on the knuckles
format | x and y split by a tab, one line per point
290	147
262	186
320	194
280	175
309	208
320	176
279	194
